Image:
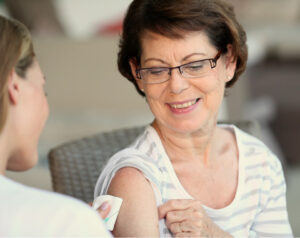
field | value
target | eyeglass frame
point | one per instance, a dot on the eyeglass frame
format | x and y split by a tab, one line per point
212	61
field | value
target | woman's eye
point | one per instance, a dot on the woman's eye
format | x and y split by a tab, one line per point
157	71
194	67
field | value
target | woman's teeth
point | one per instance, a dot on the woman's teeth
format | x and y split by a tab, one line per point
184	105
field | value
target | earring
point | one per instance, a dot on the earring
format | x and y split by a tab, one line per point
229	77
142	90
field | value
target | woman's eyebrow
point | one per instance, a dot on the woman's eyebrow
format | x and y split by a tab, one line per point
184	59
155	59
193	54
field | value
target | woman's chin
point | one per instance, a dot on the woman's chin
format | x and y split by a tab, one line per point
23	161
191	126
186	128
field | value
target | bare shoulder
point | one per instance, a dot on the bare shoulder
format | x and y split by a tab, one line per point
131	180
226	142
227	133
138	214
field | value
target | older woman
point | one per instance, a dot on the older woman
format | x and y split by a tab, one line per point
27	211
206	179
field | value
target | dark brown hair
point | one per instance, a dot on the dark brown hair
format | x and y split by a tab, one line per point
16	53
171	18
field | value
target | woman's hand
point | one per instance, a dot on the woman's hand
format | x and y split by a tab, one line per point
186	217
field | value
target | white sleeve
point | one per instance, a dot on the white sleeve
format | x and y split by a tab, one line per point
129	158
272	220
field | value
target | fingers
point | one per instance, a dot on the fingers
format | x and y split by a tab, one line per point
171	205
188	234
187	218
183	234
104	209
176	228
178	216
184	217
185	226
184	229
178	204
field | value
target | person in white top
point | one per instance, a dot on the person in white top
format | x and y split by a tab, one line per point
24	109
181	56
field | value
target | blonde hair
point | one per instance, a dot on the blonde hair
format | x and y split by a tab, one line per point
16	53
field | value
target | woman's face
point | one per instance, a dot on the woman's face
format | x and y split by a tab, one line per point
181	104
33	112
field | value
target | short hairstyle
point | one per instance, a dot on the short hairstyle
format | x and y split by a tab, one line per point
171	18
16	53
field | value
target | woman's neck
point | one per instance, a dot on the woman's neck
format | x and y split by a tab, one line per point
3	154
196	146
7	141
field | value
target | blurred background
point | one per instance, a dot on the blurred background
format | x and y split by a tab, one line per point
76	42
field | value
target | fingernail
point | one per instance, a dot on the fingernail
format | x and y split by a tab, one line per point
104	206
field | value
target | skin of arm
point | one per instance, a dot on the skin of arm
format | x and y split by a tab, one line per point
138	216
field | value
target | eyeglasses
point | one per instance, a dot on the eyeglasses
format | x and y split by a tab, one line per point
195	69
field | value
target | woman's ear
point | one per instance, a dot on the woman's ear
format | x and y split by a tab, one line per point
133	67
13	86
230	63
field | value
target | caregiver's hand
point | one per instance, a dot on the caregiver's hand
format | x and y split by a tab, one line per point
187	218
103	210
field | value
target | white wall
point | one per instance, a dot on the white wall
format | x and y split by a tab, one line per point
82	17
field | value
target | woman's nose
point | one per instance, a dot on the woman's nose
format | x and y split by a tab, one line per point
177	83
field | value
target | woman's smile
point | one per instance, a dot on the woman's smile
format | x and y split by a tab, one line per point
183	107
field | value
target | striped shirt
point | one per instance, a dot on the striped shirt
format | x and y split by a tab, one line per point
259	206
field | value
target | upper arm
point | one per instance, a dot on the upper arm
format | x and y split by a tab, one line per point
138	215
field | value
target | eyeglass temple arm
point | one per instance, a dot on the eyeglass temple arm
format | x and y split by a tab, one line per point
213	61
